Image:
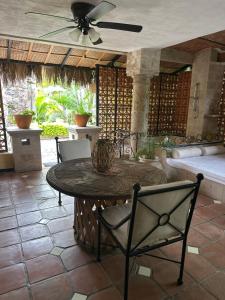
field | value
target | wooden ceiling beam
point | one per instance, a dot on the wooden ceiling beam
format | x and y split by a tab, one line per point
9	49
83	56
29	52
48	54
70	45
98	60
66	57
30	63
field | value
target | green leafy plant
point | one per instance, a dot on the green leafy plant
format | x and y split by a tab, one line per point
167	143
53	129
147	151
76	100
27	112
47	109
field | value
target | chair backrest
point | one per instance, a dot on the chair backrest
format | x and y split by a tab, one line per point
161	213
74	149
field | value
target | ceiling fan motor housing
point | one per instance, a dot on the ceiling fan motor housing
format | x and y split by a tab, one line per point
81	9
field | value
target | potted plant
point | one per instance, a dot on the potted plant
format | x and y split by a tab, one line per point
167	144
81	116
148	151
82	112
24	118
83	106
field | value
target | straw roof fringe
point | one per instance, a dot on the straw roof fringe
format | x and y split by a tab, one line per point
11	72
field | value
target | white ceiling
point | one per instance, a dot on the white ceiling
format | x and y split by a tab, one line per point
165	22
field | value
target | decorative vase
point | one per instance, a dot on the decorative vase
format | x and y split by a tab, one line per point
81	120
23	121
103	155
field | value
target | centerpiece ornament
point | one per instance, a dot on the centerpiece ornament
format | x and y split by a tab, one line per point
103	155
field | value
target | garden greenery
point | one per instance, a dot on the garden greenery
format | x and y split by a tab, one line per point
27	112
148	149
53	130
57	102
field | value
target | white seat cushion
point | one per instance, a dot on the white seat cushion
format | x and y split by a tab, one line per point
145	219
212	150
162	204
186	152
211	166
74	149
113	215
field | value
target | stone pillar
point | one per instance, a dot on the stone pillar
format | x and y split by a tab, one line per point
88	132
26	149
207	73
142	65
139	114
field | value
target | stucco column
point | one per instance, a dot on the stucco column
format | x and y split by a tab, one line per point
140	103
142	65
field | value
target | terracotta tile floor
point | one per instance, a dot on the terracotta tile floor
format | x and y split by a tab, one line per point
40	259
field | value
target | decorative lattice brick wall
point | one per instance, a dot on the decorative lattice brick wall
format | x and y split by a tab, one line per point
221	117
182	103
168	105
154	105
114	100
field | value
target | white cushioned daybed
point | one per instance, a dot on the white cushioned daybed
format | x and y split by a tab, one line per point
186	162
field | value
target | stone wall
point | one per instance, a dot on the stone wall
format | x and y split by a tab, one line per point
17	97
208	74
215	81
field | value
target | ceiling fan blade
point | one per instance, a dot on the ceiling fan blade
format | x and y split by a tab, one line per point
119	26
100	10
53	16
57	31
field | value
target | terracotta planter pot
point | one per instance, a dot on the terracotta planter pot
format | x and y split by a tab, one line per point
23	122
81	120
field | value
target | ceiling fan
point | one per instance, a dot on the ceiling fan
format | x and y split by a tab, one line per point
85	16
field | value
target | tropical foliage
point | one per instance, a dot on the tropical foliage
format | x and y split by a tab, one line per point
53	129
56	102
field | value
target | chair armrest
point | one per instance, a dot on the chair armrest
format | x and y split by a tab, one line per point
110	226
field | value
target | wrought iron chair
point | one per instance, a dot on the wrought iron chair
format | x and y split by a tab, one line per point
72	149
158	216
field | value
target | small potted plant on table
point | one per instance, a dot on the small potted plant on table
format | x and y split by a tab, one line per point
24	118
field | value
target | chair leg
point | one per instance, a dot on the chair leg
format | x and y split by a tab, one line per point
99	242
60	200
75	216
180	279
126	281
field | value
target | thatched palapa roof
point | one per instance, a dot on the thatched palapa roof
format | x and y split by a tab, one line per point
14	71
19	60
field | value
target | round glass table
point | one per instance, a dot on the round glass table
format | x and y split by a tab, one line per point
91	189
